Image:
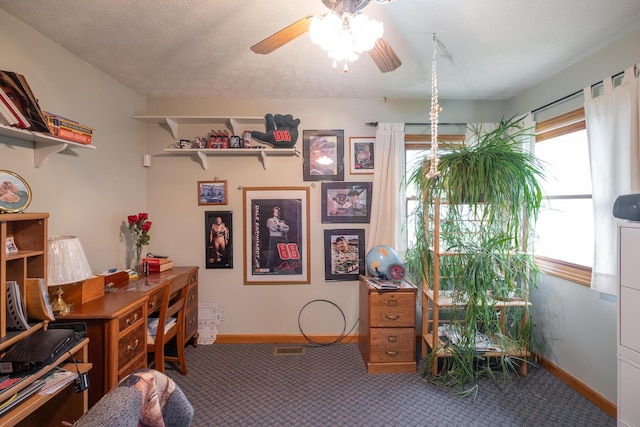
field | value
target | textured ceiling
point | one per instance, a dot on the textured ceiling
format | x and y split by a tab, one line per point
493	49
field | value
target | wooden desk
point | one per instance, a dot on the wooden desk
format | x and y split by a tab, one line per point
117	325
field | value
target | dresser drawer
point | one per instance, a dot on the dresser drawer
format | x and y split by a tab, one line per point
154	302
132	344
192	297
191	322
134	317
392	309
392	344
139	363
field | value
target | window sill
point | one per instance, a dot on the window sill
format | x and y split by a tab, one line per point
565	270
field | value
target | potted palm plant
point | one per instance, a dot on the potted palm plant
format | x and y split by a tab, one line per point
472	246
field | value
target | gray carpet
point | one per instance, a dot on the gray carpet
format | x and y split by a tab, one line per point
247	385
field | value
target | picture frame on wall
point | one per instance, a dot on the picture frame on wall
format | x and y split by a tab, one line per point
276	235
361	159
15	193
218	226
344	254
346	202
323	155
212	193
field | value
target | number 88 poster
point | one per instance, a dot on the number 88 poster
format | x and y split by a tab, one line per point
276	235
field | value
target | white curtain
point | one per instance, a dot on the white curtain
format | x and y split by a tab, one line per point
388	209
612	130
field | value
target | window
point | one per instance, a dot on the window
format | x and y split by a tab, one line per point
564	244
416	148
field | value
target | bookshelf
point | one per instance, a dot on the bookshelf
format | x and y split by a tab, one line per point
44	146
443	306
30	234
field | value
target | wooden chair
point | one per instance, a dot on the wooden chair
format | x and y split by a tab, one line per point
172	316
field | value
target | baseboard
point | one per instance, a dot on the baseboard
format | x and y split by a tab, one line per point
283	339
594	397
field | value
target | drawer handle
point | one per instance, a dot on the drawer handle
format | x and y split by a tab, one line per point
392	316
151	305
129	321
191	297
192	321
392	353
134	346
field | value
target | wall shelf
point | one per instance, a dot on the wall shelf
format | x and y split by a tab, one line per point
262	153
44	145
235	124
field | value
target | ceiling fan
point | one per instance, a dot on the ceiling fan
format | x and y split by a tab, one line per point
381	53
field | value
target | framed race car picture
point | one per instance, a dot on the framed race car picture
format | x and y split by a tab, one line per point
344	257
346	202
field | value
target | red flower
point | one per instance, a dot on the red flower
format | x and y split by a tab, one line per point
139	225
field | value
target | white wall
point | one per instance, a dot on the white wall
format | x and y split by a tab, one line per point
575	325
87	192
172	191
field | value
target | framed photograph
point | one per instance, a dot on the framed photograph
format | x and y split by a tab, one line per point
323	155
15	194
344	257
11	245
361	160
276	235
346	202
218	226
212	193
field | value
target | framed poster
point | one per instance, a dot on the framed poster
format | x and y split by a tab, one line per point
218	239
361	160
346	202
276	235
323	155
212	193
15	193
344	257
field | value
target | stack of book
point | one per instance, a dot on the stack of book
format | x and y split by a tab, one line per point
19	108
68	129
157	265
18	105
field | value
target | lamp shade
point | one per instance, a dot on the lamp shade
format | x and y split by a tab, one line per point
67	262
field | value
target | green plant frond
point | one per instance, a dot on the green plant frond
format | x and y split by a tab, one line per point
489	196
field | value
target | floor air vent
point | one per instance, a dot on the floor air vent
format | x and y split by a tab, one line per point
288	351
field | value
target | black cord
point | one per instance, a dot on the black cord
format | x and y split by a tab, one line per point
74	361
342	336
82	381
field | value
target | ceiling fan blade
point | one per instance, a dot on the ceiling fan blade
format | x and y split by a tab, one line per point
384	56
283	36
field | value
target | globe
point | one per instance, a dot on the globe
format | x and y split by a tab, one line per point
379	259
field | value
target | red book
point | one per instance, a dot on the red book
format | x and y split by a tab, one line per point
22	120
157	267
71	135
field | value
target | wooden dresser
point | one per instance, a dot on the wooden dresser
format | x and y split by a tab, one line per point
117	325
388	328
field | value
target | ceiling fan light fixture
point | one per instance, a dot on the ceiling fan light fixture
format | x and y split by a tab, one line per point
344	38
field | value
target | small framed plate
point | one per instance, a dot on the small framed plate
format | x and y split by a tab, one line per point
15	194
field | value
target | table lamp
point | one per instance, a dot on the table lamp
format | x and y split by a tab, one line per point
66	264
